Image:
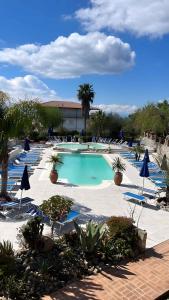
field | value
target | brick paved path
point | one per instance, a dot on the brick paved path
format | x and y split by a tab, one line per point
145	279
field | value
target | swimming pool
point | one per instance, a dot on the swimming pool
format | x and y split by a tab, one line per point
84	169
77	146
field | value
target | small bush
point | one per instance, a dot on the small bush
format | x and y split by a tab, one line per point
14	288
56	208
32	232
123	240
119	225
72	239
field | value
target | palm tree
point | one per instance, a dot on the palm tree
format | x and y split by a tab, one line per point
85	94
15	120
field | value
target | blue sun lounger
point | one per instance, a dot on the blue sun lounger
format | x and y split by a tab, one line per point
36	212
72	216
134	196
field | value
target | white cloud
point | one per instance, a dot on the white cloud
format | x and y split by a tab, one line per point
117	108
26	87
144	17
72	56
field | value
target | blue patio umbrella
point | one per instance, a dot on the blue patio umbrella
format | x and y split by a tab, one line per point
25	185
144	172
26	145
130	143
146	156
50	131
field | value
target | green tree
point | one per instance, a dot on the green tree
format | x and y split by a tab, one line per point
97	123
51	116
16	118
85	95
152	117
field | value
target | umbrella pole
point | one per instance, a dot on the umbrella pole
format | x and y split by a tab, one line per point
143	186
20	199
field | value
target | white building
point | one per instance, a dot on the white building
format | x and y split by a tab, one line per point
72	114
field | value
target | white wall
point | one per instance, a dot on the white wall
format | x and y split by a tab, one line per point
73	124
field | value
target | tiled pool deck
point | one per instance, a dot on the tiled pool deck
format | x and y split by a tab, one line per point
98	203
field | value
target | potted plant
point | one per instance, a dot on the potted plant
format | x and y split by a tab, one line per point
118	166
55	160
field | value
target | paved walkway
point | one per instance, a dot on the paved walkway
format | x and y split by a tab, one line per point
145	279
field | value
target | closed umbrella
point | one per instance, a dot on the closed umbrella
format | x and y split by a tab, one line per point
146	156
26	145
144	172
130	143
25	185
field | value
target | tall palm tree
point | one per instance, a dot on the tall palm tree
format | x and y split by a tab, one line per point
15	119
85	94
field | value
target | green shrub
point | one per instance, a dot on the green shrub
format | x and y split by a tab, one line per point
91	237
121	247
122	238
14	288
72	239
32	232
56	208
119	225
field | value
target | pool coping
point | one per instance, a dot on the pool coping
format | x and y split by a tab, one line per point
104	184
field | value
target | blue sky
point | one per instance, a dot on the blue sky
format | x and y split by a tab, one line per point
121	47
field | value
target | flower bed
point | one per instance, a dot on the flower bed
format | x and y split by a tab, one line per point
44	264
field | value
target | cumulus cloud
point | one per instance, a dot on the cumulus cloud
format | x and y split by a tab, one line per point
117	108
144	18
26	87
72	56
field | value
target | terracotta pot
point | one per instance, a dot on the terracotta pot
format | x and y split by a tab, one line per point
118	177
53	176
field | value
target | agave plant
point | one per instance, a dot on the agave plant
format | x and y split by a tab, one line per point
6	249
91	237
6	256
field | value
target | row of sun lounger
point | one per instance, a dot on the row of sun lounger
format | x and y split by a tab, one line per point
16	168
157	176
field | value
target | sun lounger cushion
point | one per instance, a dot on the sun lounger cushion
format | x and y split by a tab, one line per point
72	215
137	197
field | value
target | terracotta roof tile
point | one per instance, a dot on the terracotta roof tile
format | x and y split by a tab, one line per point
62	104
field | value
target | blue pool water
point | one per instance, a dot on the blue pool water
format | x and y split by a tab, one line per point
84	169
77	146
